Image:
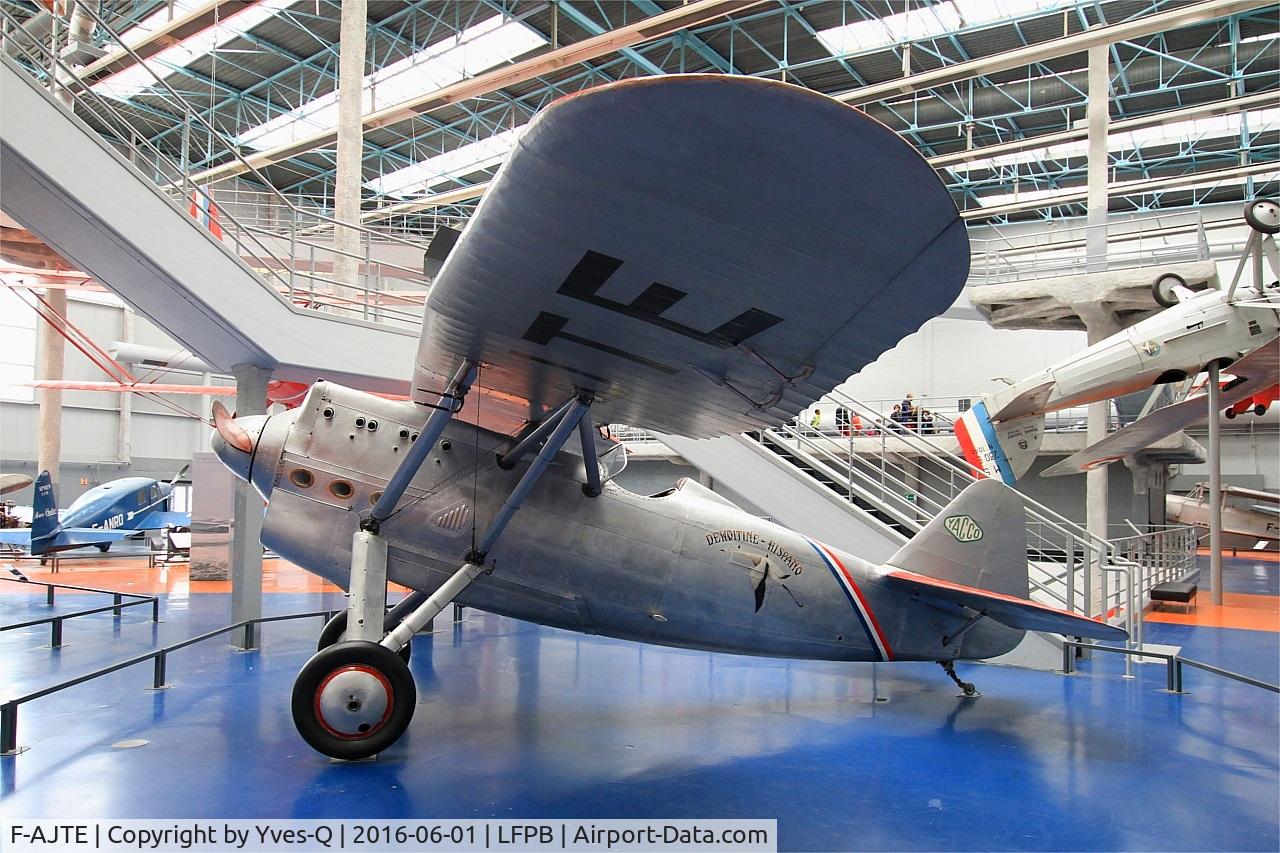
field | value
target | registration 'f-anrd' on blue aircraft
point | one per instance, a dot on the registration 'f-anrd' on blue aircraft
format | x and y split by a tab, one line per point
105	514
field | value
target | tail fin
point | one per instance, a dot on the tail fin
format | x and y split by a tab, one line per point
978	540
44	513
1002	451
974	555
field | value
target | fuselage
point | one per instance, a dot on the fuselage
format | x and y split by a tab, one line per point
683	568
1254	525
117	505
1170	346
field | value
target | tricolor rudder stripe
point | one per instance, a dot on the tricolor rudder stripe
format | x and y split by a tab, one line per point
980	446
860	604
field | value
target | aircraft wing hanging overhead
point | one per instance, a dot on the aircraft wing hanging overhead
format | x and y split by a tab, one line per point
1258	370
704	254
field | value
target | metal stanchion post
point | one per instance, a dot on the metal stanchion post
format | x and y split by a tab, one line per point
8	728
116	599
158	676
55	635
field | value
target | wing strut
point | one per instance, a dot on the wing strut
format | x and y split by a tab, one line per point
473	562
369	550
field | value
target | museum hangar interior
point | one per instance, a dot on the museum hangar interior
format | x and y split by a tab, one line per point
804	346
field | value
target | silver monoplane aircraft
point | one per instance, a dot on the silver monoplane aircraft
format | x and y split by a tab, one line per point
697	254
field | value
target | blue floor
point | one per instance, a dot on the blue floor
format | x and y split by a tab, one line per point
519	721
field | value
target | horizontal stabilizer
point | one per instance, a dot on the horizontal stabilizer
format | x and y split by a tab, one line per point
1005	609
20	537
78	537
63	540
1028	402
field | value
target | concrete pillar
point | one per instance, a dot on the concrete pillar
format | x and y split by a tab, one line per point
1099	321
347	179
1099	119
246	514
51	357
124	423
1215	485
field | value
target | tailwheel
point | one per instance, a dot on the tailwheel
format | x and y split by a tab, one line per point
968	689
353	699
337	626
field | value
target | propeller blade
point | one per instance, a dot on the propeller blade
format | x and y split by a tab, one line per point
232	433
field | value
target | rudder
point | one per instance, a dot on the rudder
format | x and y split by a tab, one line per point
1001	451
978	540
44	513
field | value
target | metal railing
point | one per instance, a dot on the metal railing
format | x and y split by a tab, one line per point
271	251
945	411
159	659
1173	665
1148	240
1165	555
55	622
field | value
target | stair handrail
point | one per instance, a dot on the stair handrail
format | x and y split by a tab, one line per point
1103	549
44	58
914	524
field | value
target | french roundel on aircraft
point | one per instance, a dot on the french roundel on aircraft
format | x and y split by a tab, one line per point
704	255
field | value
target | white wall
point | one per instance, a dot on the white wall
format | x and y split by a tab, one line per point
164	431
959	358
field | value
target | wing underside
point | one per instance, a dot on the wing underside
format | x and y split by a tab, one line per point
703	254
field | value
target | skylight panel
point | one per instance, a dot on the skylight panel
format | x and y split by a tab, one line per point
1025	195
134	79
462	160
925	22
474	50
1179	132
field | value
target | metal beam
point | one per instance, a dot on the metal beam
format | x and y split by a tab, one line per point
180	28
681	17
1195	13
1213	108
1123	189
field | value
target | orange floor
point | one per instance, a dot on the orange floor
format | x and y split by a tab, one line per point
128	574
1257	556
1238	610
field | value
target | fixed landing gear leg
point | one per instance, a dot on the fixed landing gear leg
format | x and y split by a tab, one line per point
949	668
354	698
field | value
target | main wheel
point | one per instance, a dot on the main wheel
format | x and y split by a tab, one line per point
1230	413
1162	289
353	699
104	547
337	626
1263	215
1259	410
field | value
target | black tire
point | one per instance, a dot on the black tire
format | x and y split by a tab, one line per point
1263	215
1259	410
1162	289
104	547
334	629
1230	413
366	713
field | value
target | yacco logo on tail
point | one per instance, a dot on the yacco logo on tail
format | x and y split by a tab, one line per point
860	605
963	528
